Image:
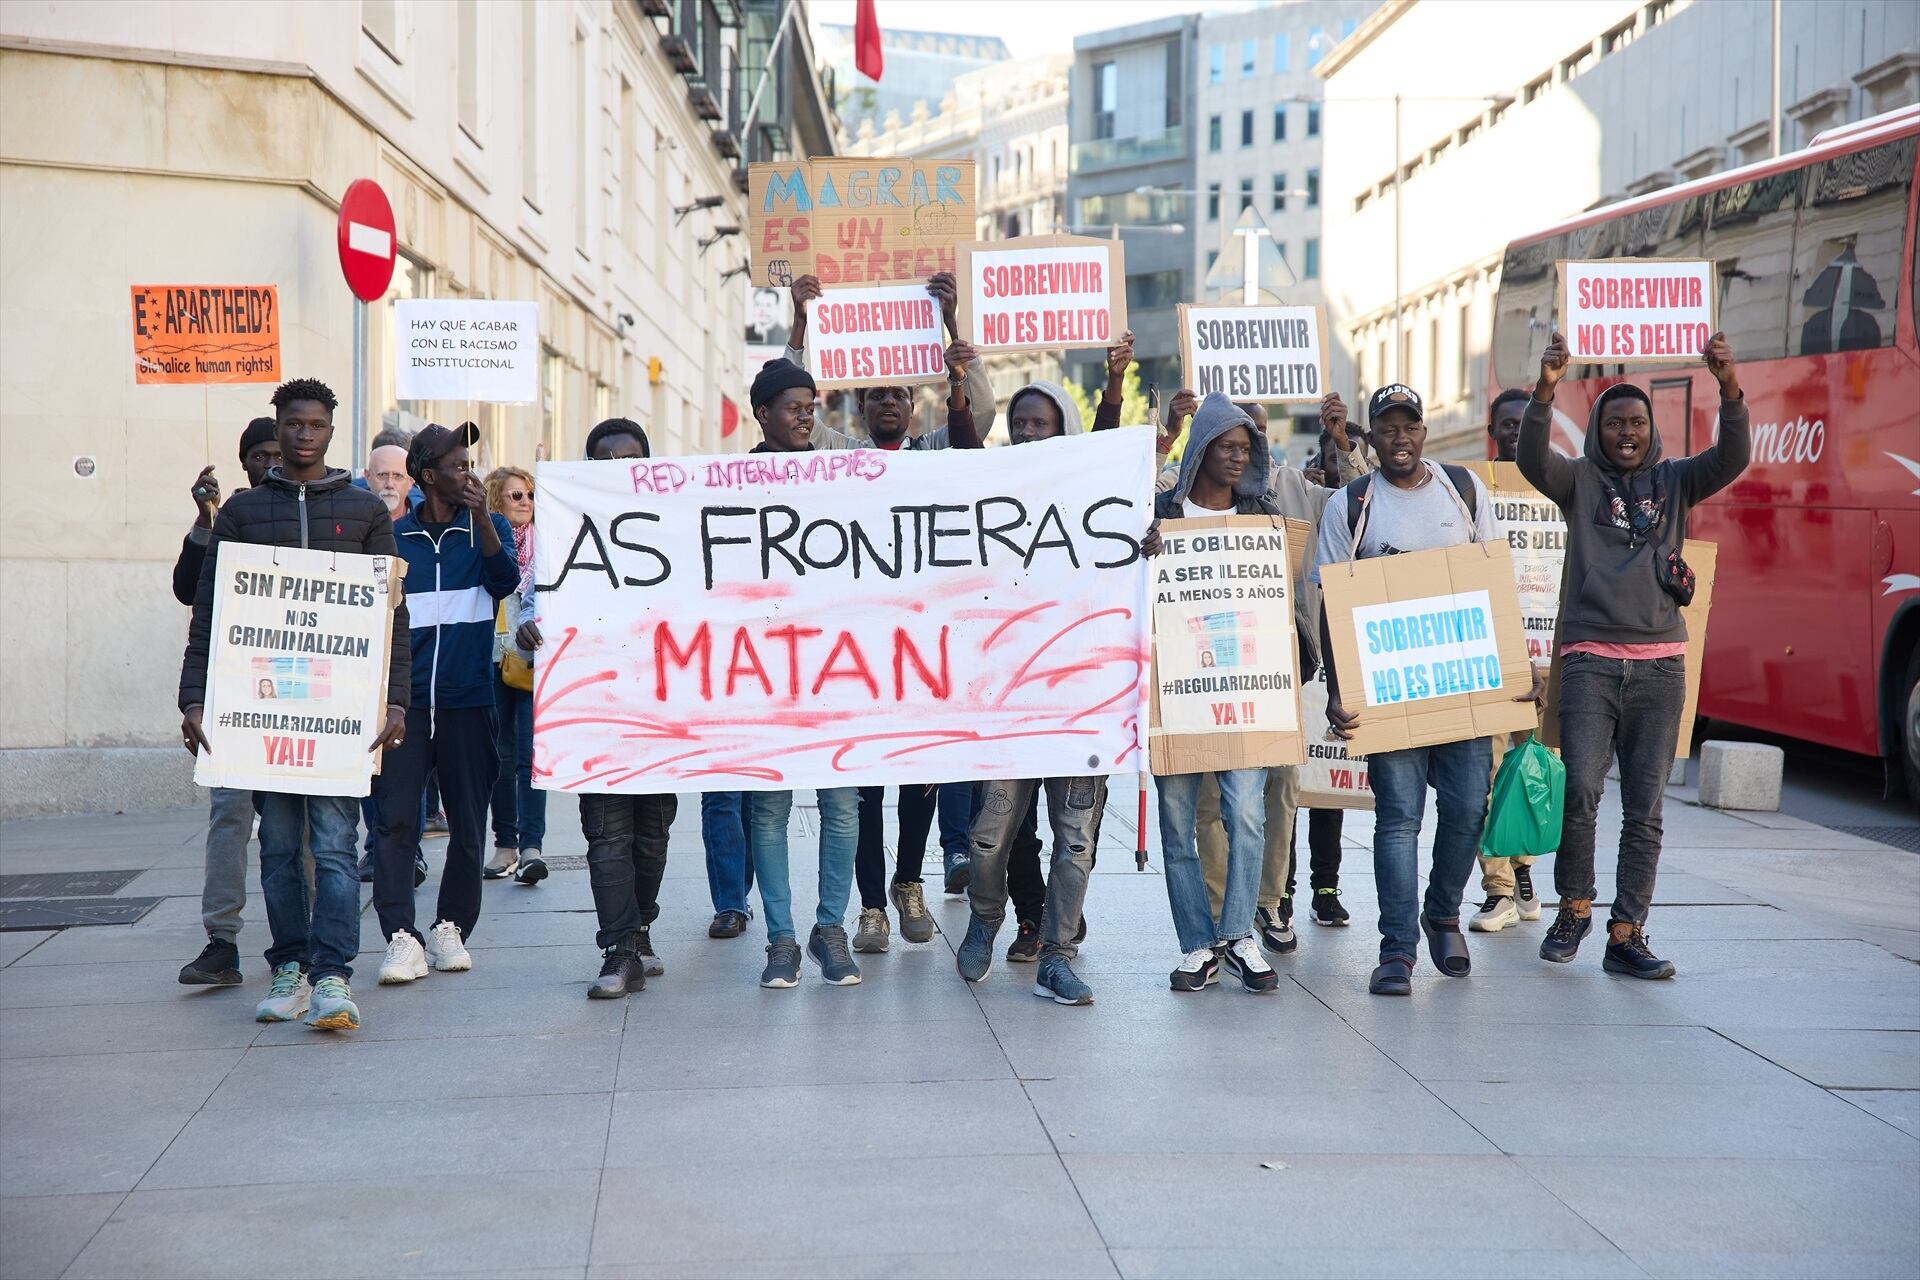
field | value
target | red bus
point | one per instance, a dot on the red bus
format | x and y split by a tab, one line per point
1815	632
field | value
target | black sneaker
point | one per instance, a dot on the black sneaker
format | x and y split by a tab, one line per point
620	973
1562	942
728	924
1327	909
217	965
1025	948
1200	968
1627	953
532	871
419	869
643	947
1275	927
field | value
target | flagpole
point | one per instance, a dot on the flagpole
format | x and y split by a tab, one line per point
766	72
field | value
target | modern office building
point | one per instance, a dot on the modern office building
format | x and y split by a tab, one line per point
921	67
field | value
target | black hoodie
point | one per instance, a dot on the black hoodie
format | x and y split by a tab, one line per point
1612	593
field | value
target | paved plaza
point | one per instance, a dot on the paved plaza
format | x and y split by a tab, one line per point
1758	1116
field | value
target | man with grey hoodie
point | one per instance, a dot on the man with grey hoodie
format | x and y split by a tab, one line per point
1623	641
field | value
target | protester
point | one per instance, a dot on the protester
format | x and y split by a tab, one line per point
1623	640
723	832
385	476
1410	504
519	809
459	565
302	502
231	813
626	833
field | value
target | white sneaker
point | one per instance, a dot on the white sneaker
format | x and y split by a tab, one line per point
404	961
288	996
1243	960
1494	915
1525	896
445	950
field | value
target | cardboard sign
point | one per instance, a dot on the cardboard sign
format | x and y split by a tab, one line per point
297	669
857	221
1273	355
772	621
1226	670
1637	310
1042	293
1537	534
201	333
1330	777
1703	558
890	336
1428	646
466	349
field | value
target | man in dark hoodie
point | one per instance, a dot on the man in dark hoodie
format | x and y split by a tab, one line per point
230	814
1623	642
303	503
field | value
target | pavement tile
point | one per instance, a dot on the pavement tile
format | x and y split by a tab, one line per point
1899	1108
439	1005
43	1234
196	1018
1077	1264
679	1056
1840	1059
1311	1263
411	1225
113	944
673	1213
1584	1056
15	944
327	1071
345	1142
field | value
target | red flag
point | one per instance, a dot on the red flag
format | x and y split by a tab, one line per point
729	417
867	55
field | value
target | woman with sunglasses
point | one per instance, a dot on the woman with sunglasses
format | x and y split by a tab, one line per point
519	811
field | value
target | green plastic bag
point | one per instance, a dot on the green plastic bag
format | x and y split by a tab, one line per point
1529	801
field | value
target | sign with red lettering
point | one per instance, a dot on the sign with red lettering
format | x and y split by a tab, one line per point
1042	293
792	620
884	337
857	220
1638	311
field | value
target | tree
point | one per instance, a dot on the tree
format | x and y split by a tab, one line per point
1133	399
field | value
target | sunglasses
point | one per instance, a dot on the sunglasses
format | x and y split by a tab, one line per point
517	495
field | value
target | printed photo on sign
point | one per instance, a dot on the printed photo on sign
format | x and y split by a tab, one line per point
1638	310
457	349
1273	355
857	221
1042	292
197	333
856	617
889	336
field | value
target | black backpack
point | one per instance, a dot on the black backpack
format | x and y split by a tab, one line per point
1458	476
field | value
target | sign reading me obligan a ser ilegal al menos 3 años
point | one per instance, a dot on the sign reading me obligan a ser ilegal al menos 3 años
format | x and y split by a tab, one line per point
1637	310
1272	355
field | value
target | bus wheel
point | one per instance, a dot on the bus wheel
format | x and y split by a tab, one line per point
1910	735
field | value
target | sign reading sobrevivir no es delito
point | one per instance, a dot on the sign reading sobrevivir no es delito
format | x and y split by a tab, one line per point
466	349
885	336
1038	293
1273	355
1637	310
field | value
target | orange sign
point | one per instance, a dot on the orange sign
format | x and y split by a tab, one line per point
206	333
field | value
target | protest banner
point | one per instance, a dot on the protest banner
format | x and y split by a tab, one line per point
468	349
1273	355
887	336
1703	558
1428	646
1042	293
1637	310
1225	654
201	333
297	669
1537	534
857	221
773	621
1330	777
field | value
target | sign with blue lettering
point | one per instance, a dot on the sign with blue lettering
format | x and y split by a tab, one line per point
856	219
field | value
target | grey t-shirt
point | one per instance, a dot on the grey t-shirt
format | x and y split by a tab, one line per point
1404	520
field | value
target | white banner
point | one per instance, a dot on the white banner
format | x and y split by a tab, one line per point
1223	614
1431	647
886	336
796	620
466	349
296	670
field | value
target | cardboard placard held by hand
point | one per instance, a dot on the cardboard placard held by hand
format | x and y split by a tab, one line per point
857	220
1042	293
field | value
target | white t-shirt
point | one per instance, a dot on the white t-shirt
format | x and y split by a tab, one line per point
1192	511
1401	520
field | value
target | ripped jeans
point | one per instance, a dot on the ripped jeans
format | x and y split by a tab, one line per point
1074	806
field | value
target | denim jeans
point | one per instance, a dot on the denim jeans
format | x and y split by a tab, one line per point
1075	806
1276	864
723	831
767	813
1243	811
456	744
519	810
1630	708
320	930
1459	773
626	858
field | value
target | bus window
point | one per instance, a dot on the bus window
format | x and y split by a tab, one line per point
1750	237
1523	309
1847	256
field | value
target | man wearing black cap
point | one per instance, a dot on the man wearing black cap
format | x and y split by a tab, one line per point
1410	504
230	816
459	566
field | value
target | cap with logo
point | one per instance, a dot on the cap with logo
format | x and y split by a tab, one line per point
434	442
1395	396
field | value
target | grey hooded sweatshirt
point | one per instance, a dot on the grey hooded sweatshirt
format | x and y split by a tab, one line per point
1070	424
1611	593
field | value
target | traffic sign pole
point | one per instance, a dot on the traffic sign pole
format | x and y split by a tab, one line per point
367	245
359	384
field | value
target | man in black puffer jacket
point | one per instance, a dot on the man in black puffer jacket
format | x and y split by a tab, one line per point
303	503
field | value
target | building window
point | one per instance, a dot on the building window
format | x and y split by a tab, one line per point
629	133
1279	193
1280	123
1536	88
1316	45
1213	256
1310	269
532	126
1313	188
1154	290
1246	128
1247	57
1246	193
380	19
1313	119
1618	38
466	18
1213	133
1175	79
1216	63
1213	202
1282	52
582	146
1106	91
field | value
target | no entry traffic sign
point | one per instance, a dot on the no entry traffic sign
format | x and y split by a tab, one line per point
366	239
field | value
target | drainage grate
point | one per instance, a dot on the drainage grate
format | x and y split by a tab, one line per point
565	861
1907	838
63	884
68	913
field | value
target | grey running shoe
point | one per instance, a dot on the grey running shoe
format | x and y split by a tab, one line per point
333	1008
871	937
959	875
1057	982
910	900
828	947
783	964
287	998
974	959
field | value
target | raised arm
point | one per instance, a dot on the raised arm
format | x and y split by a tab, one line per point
1106	414
1720	463
1544	469
962	430
802	291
